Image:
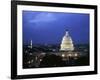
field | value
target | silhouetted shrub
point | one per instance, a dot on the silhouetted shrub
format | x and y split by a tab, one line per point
51	60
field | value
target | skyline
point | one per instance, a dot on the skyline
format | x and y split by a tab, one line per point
49	27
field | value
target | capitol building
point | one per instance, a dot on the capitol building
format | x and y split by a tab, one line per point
67	43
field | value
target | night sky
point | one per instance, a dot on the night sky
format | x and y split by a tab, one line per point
50	27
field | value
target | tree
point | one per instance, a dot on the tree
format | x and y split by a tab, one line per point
51	60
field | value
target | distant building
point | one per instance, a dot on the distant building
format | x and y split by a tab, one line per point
67	43
30	45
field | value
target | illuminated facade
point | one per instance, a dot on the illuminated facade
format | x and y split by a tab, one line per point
67	43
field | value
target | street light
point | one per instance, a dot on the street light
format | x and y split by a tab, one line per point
63	55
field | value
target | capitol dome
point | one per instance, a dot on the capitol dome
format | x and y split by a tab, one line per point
67	43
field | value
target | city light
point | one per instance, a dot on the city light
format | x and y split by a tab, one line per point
63	55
